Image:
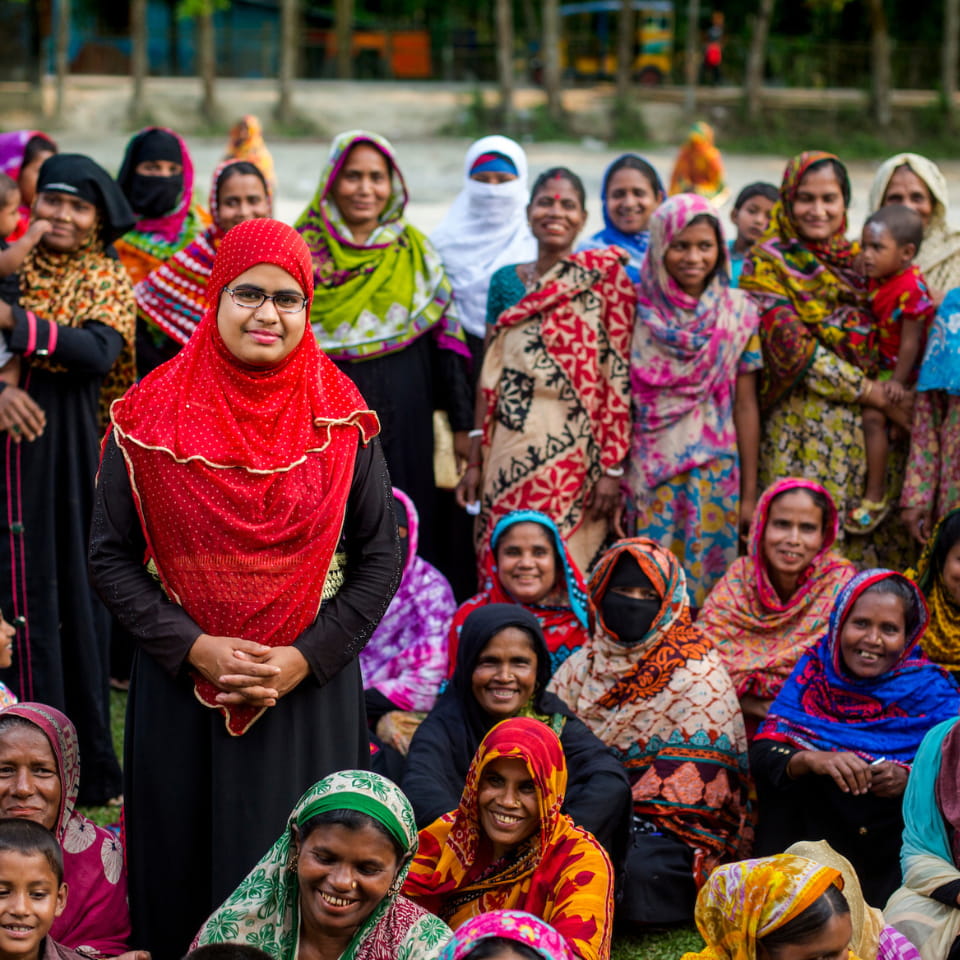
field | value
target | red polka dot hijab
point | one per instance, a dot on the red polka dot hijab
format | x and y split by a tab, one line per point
241	474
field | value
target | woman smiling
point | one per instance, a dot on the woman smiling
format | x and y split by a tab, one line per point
833	756
329	888
508	846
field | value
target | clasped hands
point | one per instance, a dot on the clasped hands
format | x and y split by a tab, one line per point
247	673
852	774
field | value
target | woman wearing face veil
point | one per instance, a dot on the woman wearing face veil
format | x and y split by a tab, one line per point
653	689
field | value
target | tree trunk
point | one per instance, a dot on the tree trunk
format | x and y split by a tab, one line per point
343	14
625	46
138	59
951	31
692	64
551	60
207	55
62	58
756	58
880	65
504	19
289	50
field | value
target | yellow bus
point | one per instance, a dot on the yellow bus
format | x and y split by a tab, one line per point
588	43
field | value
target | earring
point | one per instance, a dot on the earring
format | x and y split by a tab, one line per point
292	866
394	888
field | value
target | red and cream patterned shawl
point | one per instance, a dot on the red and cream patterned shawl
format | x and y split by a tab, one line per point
241	474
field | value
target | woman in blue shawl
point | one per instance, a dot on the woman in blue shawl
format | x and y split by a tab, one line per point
832	759
631	191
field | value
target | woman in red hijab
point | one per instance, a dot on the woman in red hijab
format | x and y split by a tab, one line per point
244	535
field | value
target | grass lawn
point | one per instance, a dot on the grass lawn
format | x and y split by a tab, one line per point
662	945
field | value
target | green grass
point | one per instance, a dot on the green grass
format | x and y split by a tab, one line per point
656	945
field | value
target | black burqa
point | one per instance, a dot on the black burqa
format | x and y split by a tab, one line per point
598	795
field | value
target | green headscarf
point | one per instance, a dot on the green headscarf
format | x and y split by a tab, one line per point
264	911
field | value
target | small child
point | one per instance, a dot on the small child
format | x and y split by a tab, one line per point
902	311
751	217
32	892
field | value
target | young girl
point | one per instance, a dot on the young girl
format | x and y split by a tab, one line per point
692	471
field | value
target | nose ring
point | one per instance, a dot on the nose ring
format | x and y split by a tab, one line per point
354	884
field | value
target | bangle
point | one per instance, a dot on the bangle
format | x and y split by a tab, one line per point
473	434
866	391
615	472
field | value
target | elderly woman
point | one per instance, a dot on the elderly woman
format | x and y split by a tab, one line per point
774	602
925	908
650	686
329	888
22	153
72	333
502	671
773	907
172	298
508	845
832	759
529	564
553	419
268	571
818	346
384	312
39	776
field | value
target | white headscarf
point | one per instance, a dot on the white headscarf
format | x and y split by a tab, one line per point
939	256
485	228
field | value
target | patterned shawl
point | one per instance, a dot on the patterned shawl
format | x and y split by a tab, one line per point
264	911
174	296
96	919
809	294
152	242
635	244
939	256
262	459
406	658
246	143
561	874
760	637
562	613
686	353
743	902
377	298
667	708
941	641
823	707
940	370
699	166
523	928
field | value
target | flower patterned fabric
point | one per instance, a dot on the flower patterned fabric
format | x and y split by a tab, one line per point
555	391
759	636
743	902
513	925
667	708
264	911
824	707
562	614
96	920
560	874
378	297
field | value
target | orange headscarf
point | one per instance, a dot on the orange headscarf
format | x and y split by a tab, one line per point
561	874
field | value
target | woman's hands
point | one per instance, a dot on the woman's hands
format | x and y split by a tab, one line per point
852	774
20	414
247	673
916	521
468	489
755	706
604	499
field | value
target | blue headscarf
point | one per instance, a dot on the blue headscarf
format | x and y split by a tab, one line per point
941	362
635	244
823	707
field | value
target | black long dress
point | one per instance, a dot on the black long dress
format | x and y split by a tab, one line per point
203	806
61	650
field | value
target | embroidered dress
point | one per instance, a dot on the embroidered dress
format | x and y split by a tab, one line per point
560	874
668	709
523	928
683	475
759	636
97	922
555	391
562	613
264	911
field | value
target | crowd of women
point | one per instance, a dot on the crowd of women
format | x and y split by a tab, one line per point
525	560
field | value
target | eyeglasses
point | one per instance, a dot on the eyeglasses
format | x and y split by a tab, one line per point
250	298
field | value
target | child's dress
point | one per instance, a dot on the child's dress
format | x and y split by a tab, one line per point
902	294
